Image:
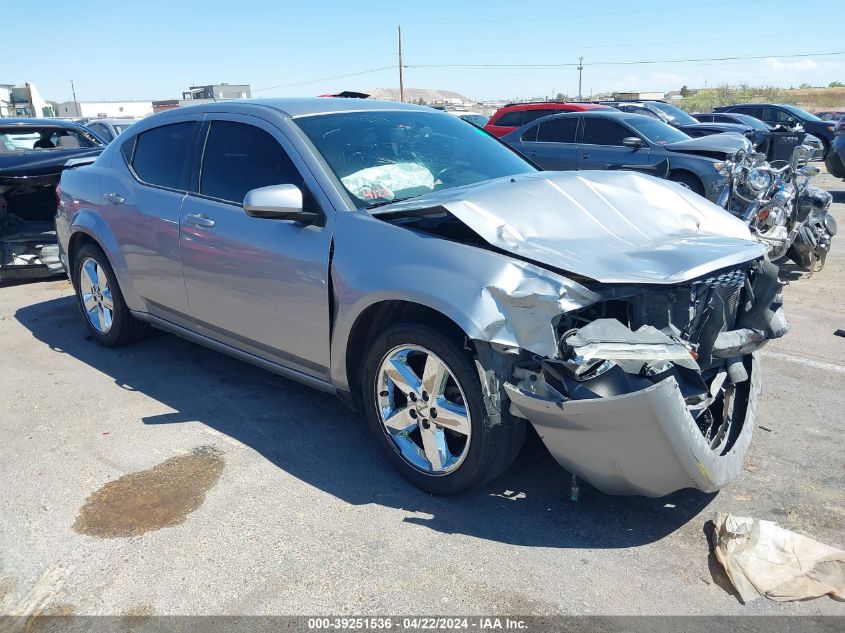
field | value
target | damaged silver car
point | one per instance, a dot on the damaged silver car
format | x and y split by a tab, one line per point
428	275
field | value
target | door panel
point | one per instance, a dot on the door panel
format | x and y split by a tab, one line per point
601	146
552	144
258	284
146	214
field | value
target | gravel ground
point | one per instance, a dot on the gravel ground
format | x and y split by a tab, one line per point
289	508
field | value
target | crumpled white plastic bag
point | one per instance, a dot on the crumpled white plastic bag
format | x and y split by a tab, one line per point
762	559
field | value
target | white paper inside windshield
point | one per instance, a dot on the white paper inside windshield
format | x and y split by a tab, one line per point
384	181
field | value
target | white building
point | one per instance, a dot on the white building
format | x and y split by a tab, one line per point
111	109
23	100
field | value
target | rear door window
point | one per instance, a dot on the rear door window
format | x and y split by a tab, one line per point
533	115
558	130
515	118
162	155
603	132
240	157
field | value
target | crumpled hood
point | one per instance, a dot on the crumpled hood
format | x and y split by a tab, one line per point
614	227
727	142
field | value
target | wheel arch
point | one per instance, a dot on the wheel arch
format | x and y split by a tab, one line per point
380	315
89	227
681	171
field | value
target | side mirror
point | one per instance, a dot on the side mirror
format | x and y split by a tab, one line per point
634	142
278	202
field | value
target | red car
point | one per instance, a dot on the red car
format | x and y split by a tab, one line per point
514	115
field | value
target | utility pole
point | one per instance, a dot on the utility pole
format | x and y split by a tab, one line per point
401	82
75	102
580	68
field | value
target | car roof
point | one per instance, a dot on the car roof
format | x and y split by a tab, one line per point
33	122
554	105
113	121
301	106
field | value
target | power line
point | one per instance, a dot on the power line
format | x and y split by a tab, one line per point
314	81
572	16
629	63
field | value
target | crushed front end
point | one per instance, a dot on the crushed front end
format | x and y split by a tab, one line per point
28	246
654	388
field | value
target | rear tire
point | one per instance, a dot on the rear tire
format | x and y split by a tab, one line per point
689	181
100	301
474	441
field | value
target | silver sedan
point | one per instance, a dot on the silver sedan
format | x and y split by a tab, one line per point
429	276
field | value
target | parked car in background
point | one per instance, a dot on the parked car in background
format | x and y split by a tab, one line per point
109	129
507	118
33	153
392	255
835	115
619	140
676	117
476	118
786	116
835	161
779	144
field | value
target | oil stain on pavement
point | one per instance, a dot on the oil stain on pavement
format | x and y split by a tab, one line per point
151	499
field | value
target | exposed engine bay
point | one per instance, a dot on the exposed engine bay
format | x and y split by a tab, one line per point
28	245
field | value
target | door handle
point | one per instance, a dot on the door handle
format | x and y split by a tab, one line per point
200	220
585	155
115	198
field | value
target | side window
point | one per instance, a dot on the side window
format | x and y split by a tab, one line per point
603	132
530	134
558	130
533	115
708	118
514	118
240	157
161	155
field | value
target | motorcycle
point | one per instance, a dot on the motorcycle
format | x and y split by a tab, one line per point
781	208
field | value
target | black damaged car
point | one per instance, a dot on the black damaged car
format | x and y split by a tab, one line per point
33	153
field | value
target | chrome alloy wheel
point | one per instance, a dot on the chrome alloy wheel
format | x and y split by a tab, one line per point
423	410
96	295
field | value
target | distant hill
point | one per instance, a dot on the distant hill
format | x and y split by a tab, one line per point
428	95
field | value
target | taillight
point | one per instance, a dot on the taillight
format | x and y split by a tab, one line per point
58	195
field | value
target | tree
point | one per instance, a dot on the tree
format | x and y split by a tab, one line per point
685	91
836	84
561	97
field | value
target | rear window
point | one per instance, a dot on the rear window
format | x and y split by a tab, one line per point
558	130
161	155
37	139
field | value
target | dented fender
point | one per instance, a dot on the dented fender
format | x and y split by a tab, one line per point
492	297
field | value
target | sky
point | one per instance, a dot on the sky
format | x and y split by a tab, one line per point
155	49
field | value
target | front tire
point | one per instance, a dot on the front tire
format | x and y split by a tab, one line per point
99	299
424	405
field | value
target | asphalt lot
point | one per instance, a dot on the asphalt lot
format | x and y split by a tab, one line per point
293	510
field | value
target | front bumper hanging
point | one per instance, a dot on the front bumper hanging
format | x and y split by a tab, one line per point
643	443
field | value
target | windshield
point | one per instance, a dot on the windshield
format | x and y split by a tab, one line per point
119	128
380	157
801	114
657	131
676	115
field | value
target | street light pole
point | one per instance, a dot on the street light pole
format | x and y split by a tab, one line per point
580	68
